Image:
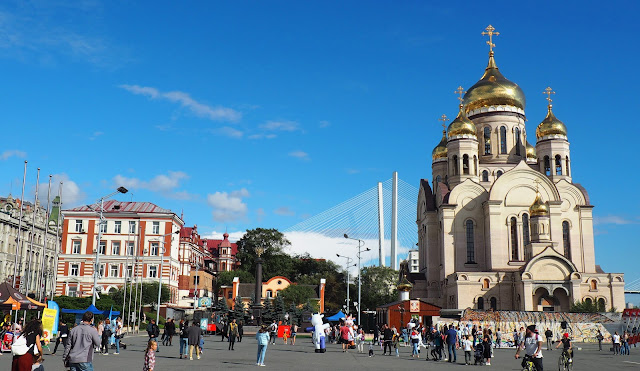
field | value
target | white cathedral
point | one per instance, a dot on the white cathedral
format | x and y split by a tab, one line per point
501	224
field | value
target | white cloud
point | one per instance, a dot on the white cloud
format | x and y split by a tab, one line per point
324	124
280	126
216	113
262	136
228	132
300	154
12	153
72	195
233	236
228	206
612	219
284	211
165	184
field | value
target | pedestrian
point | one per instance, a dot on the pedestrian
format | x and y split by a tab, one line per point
567	347
467	346
63	336
359	340
27	347
184	338
294	332
625	343
285	335
153	330
387	337
273	332
616	343
194	334
223	330
599	337
549	335
233	333
345	336
150	356
170	330
486	346
78	355
437	342
532	345
117	330
241	331
263	342
452	342
106	336
415	341
499	339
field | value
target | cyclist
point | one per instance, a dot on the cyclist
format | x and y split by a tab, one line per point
532	345
567	347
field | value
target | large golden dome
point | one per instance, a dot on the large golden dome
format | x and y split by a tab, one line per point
551	126
441	149
539	208
531	152
493	89
461	125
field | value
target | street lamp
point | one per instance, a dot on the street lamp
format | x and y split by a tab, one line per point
349	265
195	261
102	220
360	246
160	274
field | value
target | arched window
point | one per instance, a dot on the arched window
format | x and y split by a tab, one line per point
566	240
517	138
547	166
494	303
438	179
514	239
567	165
481	303
269	293
525	229
487	140
498	174
588	301
594	285
558	165
455	165
485	283
601	305
465	164
470	243
503	140
475	165
485	176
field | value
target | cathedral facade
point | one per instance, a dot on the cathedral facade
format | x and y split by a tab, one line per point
501	224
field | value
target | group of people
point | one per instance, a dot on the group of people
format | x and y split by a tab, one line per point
232	331
621	343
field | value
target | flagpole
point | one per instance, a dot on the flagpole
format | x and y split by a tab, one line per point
29	279
41	279
15	263
54	287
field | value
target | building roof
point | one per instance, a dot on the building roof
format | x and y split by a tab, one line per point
402	301
113	206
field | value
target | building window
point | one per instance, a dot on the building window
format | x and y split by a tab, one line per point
76	247
132	226
485	283
481	303
154	248
72	291
517	138
118	227
594	285
485	176
196	280
547	166
155	229
438	179
499	174
131	248
129	271
558	165
79	226
102	248
75	270
115	248
514	239
566	240
601	306
470	245
153	271
487	140
526	236
493	302
503	140
475	165
465	164
455	165
567	165
113	272
103	226
230	294
101	271
269	293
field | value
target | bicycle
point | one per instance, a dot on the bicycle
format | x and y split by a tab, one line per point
563	362
528	363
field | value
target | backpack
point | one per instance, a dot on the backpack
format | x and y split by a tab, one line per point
19	346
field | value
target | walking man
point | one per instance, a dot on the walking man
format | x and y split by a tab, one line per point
233	333
599	337
194	334
273	332
549	335
452	341
170	328
153	331
184	338
78	355
63	336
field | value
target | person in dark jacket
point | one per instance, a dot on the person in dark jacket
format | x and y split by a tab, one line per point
194	333
240	331
63	336
387	337
153	330
184	338
170	330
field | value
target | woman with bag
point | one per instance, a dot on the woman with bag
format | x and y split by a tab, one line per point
27	346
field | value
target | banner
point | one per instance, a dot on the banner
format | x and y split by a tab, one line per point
204	302
48	320
203	323
53	305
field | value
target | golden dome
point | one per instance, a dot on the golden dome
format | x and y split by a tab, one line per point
441	149
494	89
531	152
551	126
461	125
539	208
405	285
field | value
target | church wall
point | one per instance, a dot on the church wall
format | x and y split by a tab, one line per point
495	122
585	233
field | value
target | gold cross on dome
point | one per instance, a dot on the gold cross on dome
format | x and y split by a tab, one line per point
490	31
444	120
548	91
460	91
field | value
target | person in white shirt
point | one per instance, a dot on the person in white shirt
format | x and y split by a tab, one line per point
467	346
616	343
532	345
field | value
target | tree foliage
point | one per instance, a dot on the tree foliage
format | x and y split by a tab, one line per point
587	306
378	286
296	295
238	309
275	261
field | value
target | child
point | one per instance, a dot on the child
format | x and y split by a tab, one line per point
371	349
285	335
396	341
467	345
150	356
201	343
37	365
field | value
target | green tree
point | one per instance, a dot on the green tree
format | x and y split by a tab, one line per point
267	311
226	278
150	293
378	286
587	306
278	308
238	309
224	308
297	294
275	260
311	306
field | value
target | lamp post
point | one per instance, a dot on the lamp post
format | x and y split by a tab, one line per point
257	305
360	246
160	274
96	268
349	265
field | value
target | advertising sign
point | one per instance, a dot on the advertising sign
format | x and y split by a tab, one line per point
414	306
204	302
48	320
203	324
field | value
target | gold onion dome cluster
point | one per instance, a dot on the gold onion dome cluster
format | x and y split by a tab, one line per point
441	149
531	152
551	126
538	208
494	89
461	125
404	285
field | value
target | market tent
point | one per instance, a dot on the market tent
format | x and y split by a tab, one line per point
91	309
11	298
336	317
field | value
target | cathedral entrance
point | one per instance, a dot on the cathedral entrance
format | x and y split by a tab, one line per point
543	301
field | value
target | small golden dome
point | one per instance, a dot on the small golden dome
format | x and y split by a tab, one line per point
531	152
494	89
405	285
441	149
539	208
551	126
461	125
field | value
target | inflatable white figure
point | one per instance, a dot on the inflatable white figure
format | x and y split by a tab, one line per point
318	332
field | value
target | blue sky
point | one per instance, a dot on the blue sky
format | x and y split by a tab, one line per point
263	113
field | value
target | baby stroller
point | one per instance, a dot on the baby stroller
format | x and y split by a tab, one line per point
478	355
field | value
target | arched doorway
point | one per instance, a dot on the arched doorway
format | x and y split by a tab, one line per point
543	302
562	299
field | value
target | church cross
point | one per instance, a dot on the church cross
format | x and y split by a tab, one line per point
460	91
444	120
548	91
490	31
